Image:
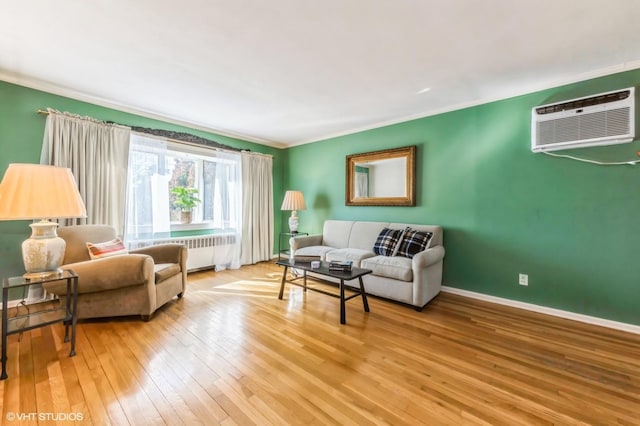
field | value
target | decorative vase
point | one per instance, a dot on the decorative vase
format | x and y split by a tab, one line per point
186	216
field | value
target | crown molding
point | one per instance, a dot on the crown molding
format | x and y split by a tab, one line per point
48	87
74	94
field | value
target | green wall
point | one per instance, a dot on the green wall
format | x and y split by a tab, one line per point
22	131
572	227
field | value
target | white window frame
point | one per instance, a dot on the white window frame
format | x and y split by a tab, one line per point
197	154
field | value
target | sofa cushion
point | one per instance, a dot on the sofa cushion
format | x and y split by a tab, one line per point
413	242
352	254
396	267
387	241
314	251
165	270
114	247
363	234
335	233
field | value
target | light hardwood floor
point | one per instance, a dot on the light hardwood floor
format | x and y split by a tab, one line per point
230	353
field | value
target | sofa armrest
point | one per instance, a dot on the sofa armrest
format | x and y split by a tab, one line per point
107	274
428	257
427	275
166	253
305	241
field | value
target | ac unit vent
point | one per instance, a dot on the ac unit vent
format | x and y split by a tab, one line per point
605	98
602	119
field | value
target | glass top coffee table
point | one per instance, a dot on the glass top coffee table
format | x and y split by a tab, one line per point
324	270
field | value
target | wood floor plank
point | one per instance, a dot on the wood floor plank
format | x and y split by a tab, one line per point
42	358
28	404
231	353
190	400
129	363
137	404
102	403
11	393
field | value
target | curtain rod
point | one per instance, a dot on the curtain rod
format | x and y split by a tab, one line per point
197	145
168	138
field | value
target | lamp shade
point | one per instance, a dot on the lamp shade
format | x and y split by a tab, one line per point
36	191
293	200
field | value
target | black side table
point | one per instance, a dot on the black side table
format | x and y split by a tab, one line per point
40	317
287	234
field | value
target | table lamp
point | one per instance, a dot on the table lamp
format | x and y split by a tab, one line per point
36	191
293	200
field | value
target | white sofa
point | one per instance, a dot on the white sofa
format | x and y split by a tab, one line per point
410	281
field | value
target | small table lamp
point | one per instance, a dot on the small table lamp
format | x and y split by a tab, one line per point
35	191
293	200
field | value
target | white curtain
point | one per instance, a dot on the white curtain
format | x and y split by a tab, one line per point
257	207
227	209
148	190
97	154
362	185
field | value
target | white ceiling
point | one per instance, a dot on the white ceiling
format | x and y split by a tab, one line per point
286	72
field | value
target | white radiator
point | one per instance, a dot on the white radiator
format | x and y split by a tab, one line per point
205	251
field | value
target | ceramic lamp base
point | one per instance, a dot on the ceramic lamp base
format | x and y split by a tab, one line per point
293	222
43	251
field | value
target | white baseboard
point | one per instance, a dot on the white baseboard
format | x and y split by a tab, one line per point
545	310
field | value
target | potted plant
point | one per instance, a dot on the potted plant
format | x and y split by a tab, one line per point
185	199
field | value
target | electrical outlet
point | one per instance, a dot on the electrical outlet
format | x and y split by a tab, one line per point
523	279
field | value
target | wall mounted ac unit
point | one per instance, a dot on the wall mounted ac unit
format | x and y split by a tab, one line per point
603	119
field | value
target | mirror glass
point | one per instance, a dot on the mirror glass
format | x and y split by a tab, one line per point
381	178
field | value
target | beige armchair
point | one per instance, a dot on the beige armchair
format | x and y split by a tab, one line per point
137	283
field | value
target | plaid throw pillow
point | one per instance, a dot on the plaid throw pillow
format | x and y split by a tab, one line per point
413	242
106	249
387	241
400	238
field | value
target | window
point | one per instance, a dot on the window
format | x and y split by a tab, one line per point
156	167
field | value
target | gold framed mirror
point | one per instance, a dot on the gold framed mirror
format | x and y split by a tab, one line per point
382	178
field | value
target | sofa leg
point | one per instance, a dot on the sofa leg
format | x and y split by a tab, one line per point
418	308
180	295
145	318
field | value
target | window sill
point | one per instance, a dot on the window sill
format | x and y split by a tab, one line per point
199	226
